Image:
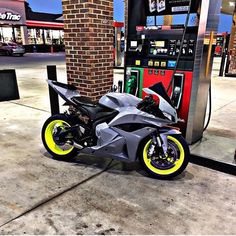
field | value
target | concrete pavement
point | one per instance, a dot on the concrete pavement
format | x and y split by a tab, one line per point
126	202
39	195
218	141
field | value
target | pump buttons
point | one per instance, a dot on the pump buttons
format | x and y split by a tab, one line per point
150	63
156	63
137	62
163	64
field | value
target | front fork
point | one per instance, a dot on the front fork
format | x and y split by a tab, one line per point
160	142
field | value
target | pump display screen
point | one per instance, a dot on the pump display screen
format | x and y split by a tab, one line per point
160	44
133	44
158	47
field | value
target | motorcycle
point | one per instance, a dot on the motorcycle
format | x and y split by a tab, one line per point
120	126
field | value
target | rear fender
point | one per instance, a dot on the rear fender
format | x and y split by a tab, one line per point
65	91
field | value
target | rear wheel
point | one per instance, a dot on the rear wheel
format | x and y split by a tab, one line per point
169	166
59	149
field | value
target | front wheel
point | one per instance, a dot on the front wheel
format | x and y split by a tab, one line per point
59	149
169	166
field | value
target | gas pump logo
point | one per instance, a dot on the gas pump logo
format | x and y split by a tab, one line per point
161	5
8	15
157	5
152	5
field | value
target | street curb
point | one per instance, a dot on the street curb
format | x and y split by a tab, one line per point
213	164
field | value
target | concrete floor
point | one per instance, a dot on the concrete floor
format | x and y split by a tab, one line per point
39	195
219	139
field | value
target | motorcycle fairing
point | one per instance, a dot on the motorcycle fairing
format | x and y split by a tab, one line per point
133	140
118	144
122	145
164	105
118	100
133	115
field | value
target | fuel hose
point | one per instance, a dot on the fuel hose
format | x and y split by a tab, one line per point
181	45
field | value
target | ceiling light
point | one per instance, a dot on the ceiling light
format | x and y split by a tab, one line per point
231	4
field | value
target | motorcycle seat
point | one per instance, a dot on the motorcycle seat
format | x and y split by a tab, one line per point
93	110
98	112
84	101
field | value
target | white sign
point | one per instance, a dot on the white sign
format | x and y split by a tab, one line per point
10	16
180	9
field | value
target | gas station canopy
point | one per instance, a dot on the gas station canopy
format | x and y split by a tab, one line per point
228	6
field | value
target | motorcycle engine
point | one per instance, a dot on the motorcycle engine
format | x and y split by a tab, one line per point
84	135
75	112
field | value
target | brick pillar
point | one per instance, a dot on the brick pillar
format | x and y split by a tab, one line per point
232	46
126	18
89	45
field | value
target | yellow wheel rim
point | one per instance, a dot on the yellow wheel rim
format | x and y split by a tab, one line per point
49	138
178	163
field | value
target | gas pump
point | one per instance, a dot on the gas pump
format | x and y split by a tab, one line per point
176	55
220	42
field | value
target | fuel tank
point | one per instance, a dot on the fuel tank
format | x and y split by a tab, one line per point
118	100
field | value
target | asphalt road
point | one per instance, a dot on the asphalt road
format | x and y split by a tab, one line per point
30	60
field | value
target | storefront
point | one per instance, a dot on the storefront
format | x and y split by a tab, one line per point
36	31
12	21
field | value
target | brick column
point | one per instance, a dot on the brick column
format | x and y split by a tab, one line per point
126	17
232	46
89	45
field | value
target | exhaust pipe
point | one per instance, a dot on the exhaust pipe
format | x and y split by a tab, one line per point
78	146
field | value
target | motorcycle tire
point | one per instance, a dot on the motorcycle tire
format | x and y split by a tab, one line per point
63	151
171	166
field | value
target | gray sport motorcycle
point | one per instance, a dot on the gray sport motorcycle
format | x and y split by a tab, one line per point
120	126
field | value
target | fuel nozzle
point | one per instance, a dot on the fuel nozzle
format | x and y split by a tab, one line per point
131	84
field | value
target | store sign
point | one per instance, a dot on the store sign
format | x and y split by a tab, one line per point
10	16
12	12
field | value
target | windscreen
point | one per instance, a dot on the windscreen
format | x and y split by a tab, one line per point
159	89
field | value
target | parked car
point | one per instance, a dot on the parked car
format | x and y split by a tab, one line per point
11	49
